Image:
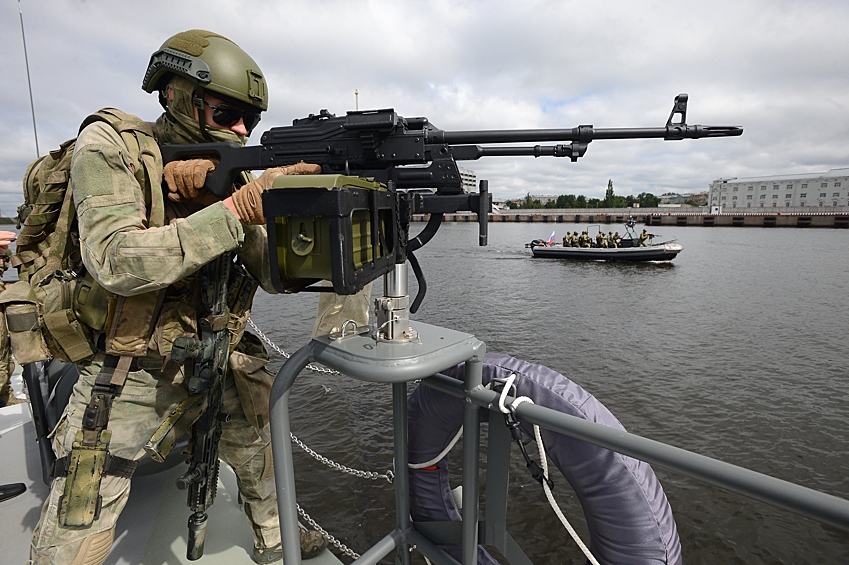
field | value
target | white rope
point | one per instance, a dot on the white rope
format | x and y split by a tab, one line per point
439	457
553	503
544	464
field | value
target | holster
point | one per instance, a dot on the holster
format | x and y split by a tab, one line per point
131	322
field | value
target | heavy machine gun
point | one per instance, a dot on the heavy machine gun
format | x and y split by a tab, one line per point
350	224
395	154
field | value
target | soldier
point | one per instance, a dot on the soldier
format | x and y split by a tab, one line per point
643	238
616	239
599	239
220	101
566	240
7	395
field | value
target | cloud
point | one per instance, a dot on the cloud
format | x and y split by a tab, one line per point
777	68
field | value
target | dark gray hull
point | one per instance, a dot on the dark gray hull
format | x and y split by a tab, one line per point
659	252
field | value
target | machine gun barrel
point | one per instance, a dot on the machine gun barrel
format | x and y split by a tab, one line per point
583	133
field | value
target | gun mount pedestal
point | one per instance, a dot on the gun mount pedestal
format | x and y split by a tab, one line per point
361	357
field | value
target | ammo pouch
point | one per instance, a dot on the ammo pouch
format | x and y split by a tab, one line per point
42	322
22	319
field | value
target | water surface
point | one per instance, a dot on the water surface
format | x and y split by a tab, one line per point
736	350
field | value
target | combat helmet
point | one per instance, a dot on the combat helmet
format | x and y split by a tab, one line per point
207	62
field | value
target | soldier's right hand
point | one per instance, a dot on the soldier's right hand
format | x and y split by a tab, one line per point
185	179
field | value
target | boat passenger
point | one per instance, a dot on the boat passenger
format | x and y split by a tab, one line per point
644	236
196	227
599	240
616	239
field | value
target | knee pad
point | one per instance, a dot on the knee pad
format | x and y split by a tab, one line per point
95	548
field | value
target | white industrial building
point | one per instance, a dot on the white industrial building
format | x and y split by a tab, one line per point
469	179
824	191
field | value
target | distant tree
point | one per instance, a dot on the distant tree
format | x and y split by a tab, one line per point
566	201
581	201
608	195
647	200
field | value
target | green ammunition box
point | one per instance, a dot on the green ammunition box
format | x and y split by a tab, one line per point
329	227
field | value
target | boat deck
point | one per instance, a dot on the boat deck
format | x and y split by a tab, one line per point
152	528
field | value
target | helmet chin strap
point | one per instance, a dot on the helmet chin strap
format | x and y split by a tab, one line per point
198	102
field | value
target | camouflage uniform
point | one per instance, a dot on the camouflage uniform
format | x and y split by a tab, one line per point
7	366
128	259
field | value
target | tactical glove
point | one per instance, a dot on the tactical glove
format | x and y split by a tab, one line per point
248	199
185	179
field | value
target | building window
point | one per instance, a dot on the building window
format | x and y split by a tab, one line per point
763	196
837	184
774	204
803	195
775	187
836	195
751	188
733	198
823	185
786	204
723	197
762	204
734	205
748	204
736	189
763	187
788	196
749	197
789	187
802	204
834	203
820	204
822	194
775	196
805	185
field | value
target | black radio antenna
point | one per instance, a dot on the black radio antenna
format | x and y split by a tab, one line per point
29	83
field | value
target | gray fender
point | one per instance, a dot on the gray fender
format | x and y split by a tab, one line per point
629	518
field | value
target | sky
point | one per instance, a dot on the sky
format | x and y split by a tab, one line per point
776	68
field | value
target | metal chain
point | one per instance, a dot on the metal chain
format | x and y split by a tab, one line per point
371	475
332	540
272	345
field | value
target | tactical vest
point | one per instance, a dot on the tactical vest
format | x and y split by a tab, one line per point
56	309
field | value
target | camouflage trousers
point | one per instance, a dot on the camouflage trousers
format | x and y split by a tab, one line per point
147	397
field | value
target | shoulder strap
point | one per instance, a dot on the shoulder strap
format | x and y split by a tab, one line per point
138	135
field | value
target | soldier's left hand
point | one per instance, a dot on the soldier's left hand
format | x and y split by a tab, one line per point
248	199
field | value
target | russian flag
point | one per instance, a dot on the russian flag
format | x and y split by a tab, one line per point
550	239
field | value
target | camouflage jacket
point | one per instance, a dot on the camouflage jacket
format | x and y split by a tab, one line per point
118	249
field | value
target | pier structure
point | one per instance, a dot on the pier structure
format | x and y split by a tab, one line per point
666	218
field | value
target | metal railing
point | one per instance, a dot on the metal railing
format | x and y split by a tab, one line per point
804	501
